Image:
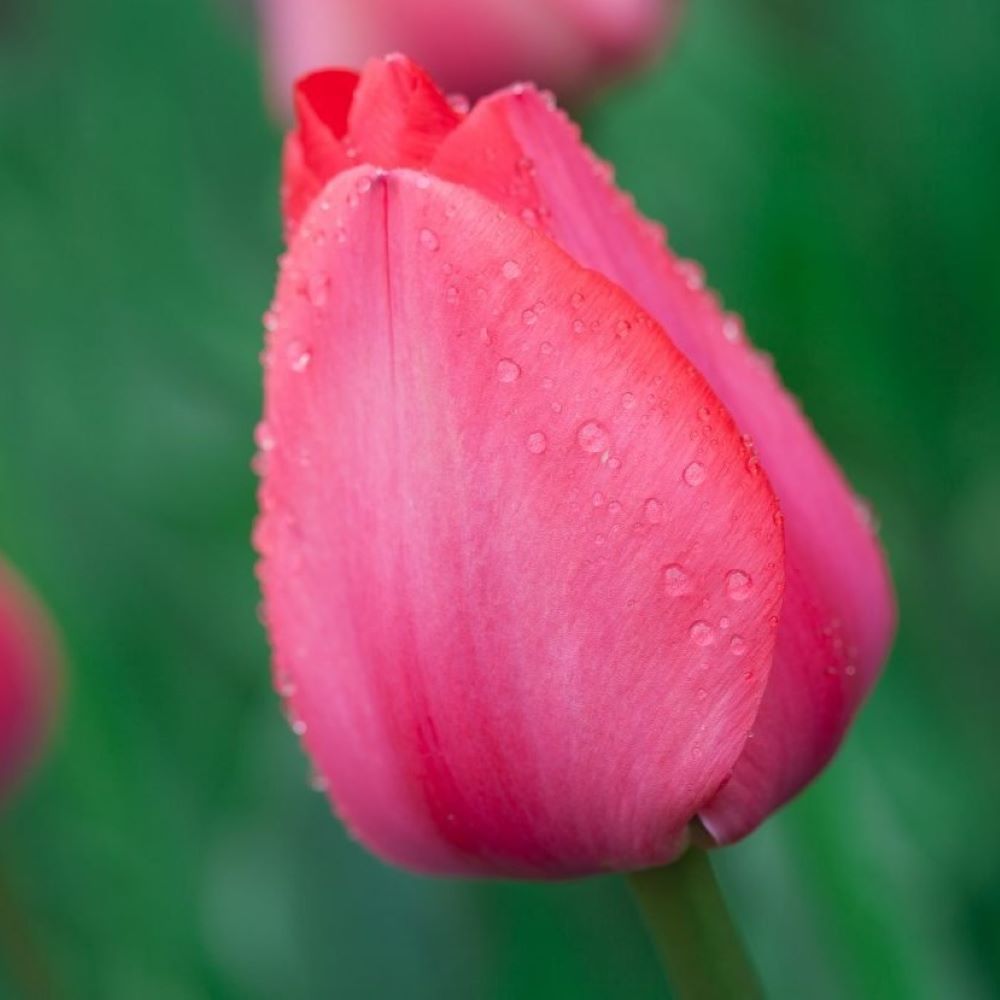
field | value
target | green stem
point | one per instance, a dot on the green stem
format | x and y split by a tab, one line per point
21	961
700	945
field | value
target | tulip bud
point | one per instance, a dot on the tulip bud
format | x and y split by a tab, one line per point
27	661
472	46
553	567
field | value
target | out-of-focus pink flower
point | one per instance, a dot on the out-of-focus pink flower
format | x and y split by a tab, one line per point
471	46
553	566
28	654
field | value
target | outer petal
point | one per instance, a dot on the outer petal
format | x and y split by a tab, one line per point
27	658
499	511
838	615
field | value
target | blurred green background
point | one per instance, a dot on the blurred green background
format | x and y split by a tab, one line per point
837	168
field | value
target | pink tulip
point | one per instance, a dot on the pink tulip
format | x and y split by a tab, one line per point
27	661
553	566
472	46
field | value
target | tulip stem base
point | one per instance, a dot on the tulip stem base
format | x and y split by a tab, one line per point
700	945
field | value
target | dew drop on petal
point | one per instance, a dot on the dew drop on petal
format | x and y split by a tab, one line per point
511	270
593	437
507	370
653	510
429	240
675	580
738	585
694	474
537	442
264	436
702	634
737	646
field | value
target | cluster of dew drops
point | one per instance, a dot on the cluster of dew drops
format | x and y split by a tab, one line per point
594	438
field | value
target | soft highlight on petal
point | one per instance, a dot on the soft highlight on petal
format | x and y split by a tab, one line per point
520	570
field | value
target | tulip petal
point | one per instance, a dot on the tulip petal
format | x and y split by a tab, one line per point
399	117
315	151
500	519
27	656
838	615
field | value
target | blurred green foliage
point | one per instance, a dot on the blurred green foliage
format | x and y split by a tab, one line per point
837	168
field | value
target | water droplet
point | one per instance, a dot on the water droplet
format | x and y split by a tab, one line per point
866	514
702	634
529	317
511	270
597	499
507	370
545	348
593	437
614	508
732	328
529	217
317	782
704	414
691	274
364	185
694	474
737	646
579	326
299	727
675	580
270	321
653	510
576	300
299	356
451	295
263	436
738	585
537	442
429	239
724	623
622	329
702	694
628	400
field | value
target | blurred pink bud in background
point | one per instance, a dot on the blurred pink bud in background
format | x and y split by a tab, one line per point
28	657
469	46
